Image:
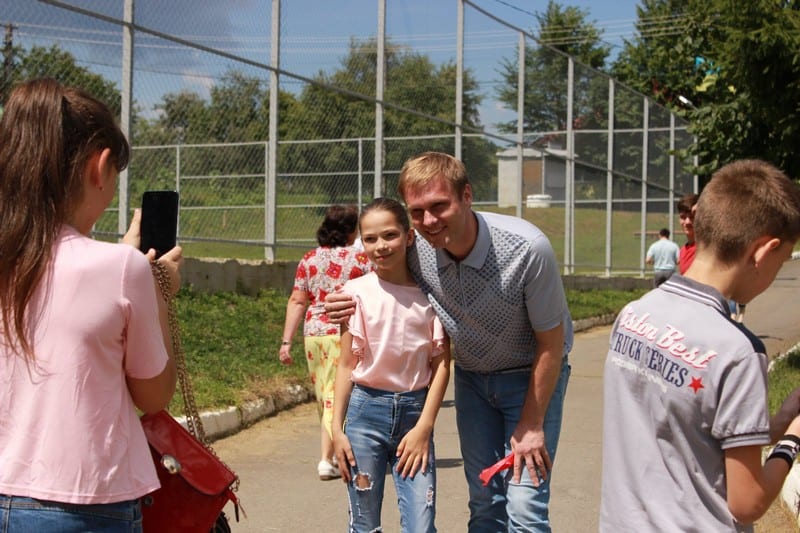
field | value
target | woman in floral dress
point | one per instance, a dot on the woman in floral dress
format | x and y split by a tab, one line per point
322	271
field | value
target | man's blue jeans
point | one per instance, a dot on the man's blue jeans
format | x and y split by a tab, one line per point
376	422
39	516
488	409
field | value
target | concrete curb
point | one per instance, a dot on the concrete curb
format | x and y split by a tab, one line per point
592	322
224	422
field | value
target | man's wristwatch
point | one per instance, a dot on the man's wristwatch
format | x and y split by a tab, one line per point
286	343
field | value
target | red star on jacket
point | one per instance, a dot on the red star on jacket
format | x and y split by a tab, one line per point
696	384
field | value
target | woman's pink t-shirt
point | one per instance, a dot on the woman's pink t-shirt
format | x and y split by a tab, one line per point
69	431
395	332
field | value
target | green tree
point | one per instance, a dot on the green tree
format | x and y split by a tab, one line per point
735	67
659	60
183	119
53	62
563	32
237	111
413	82
234	122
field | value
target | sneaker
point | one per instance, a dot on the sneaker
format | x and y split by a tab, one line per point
327	471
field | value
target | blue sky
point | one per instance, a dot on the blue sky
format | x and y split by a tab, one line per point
315	35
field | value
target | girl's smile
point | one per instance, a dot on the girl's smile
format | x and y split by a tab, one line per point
385	242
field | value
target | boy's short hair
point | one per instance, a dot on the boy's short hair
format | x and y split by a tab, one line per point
743	201
420	170
686	203
664	232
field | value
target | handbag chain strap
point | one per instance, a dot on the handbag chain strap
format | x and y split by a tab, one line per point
193	421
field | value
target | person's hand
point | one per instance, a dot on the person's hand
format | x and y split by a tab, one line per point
413	452
172	260
339	307
284	355
344	454
528	445
791	405
133	236
794	427
788	411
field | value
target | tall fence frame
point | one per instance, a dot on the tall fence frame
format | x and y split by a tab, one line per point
656	195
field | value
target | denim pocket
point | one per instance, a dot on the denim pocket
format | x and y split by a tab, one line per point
358	401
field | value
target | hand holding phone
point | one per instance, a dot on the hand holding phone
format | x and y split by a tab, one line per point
159	228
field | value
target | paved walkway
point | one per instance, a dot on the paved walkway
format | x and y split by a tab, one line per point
276	458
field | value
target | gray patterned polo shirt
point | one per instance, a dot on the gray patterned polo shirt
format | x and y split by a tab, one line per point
682	383
492	302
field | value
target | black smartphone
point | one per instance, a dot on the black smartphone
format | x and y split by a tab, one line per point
159	221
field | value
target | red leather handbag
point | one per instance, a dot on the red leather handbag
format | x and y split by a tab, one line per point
195	484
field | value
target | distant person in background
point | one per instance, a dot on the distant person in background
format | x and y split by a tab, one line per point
686	255
663	255
322	271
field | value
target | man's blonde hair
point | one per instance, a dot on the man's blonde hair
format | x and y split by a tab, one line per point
743	201
420	170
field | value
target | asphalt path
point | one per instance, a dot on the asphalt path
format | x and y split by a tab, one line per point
276	458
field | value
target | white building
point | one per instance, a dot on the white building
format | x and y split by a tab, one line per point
543	174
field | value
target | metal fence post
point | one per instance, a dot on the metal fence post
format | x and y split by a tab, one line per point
380	83
520	121
645	158
270	195
360	173
459	80
178	184
125	111
610	176
569	186
671	206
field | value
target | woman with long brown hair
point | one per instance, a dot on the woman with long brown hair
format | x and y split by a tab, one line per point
83	336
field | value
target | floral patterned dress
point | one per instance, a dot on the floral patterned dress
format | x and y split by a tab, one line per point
322	271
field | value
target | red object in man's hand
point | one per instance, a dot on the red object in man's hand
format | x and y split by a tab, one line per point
502	464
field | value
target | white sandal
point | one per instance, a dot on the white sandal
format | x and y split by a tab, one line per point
327	471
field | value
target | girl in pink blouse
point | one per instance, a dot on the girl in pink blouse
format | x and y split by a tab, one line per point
84	338
393	371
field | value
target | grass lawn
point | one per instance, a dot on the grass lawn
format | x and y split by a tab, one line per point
231	341
783	379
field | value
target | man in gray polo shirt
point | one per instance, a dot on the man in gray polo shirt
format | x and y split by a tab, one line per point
495	284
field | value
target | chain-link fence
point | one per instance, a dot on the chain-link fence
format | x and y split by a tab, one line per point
261	122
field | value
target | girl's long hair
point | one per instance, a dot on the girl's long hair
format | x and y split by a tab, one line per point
48	132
